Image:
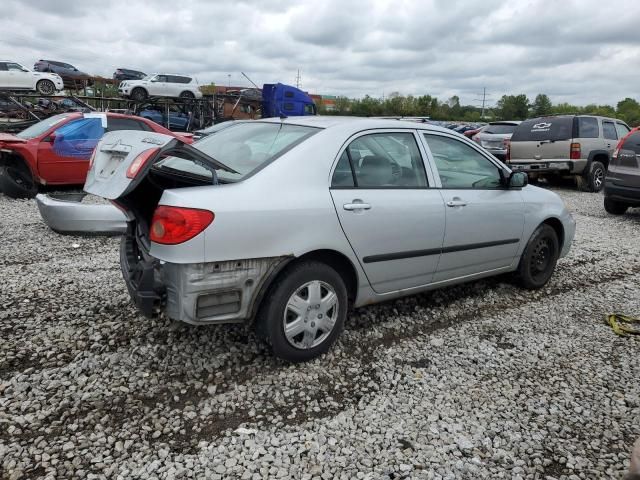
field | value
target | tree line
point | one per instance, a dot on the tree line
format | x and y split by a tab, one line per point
509	107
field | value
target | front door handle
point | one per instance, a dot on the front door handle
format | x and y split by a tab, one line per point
356	205
456	202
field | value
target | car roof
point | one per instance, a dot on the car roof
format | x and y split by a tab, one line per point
506	122
330	121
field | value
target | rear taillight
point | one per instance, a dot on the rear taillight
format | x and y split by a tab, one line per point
615	153
140	162
173	225
575	152
507	144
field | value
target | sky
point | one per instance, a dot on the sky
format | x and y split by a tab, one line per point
577	51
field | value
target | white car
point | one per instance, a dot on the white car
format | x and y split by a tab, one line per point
160	85
14	76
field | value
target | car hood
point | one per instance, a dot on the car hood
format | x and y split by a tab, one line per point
9	138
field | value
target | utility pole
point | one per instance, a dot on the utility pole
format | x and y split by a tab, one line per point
298	79
483	100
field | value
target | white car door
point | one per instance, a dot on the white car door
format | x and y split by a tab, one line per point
484	219
20	77
393	220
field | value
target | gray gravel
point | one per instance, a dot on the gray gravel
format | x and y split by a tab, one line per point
477	381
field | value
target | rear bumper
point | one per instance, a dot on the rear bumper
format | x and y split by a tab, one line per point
559	167
630	195
65	213
218	292
196	293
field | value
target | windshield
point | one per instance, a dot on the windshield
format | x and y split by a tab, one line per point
539	129
500	128
39	128
244	147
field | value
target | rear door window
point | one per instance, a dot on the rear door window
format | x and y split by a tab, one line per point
588	127
547	128
609	131
381	160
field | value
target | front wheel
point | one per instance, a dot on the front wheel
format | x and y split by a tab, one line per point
17	182
304	311
613	207
539	258
45	87
138	94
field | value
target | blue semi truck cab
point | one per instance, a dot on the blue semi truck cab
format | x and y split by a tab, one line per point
280	100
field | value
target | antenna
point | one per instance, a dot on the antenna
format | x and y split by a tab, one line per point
245	76
298	79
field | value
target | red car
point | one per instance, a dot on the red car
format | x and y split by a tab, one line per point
56	151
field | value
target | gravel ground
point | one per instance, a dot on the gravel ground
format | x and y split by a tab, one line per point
482	380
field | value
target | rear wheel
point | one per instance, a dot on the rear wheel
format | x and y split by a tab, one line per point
304	311
17	182
539	258
593	179
138	94
187	95
45	87
613	207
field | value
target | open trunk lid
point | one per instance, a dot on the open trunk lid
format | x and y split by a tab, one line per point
122	159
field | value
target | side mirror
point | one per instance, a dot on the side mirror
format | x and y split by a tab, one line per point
50	138
518	180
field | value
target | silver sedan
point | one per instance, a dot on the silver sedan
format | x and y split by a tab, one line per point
292	222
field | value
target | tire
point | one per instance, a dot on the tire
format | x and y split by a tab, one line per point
45	87
613	207
138	94
539	258
187	95
593	179
318	325
17	183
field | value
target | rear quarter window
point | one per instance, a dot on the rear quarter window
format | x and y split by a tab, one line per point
539	129
588	127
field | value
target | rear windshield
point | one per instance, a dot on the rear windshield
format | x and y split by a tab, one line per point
39	128
538	129
499	128
244	147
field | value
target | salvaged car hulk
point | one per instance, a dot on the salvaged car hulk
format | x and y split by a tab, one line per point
291	222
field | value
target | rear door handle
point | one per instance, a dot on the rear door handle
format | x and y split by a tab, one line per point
456	202
356	205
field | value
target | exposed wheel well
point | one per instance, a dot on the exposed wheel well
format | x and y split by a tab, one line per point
16	160
559	229
340	263
602	158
